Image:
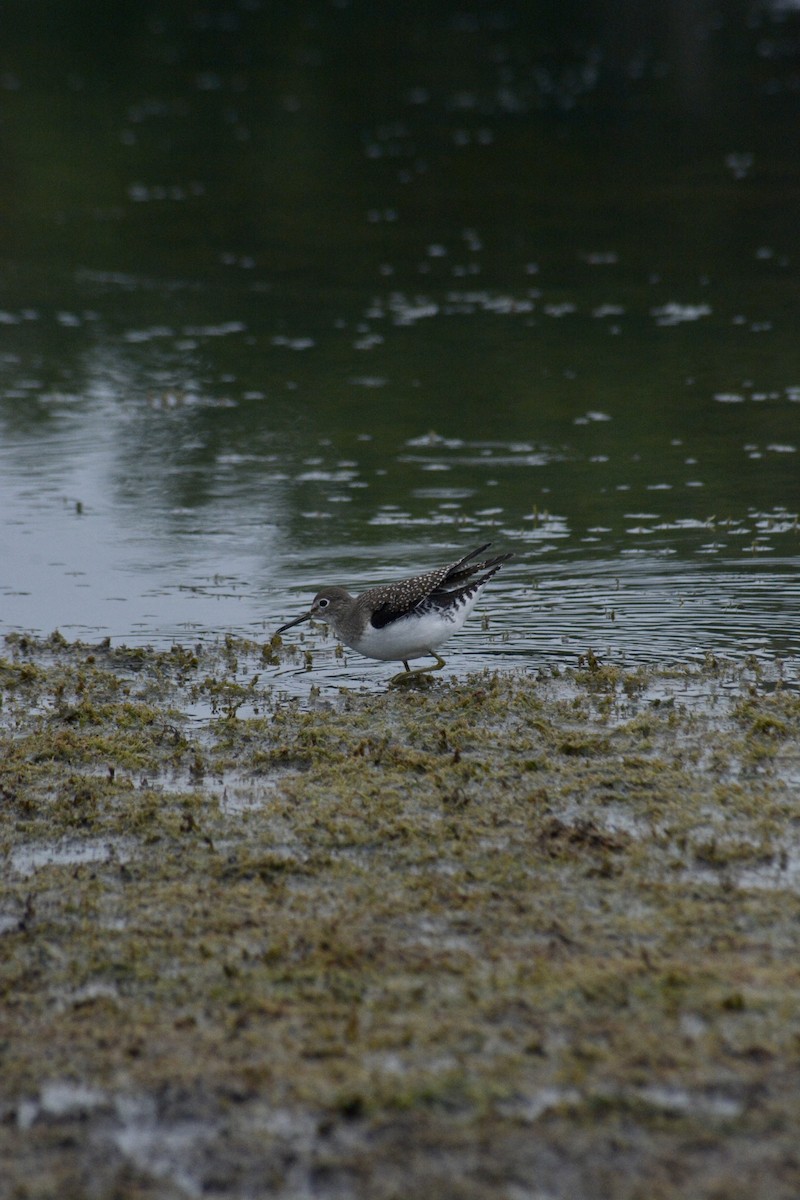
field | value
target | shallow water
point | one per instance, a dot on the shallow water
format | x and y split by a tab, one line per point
331	298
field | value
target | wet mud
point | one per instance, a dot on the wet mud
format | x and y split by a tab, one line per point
524	934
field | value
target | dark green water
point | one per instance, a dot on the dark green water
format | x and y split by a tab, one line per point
326	292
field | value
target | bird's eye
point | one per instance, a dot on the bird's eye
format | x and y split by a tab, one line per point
323	603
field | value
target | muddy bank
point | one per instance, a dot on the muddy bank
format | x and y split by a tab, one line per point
501	936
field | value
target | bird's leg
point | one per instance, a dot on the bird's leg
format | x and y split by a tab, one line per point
407	675
437	666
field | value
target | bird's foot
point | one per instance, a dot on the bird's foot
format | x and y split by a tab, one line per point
419	675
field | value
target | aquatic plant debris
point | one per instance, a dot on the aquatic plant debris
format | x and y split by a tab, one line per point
518	933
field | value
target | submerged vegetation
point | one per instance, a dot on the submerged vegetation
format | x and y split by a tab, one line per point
507	935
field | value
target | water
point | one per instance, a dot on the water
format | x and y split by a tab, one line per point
292	297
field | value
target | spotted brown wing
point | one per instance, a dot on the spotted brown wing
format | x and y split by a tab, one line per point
435	589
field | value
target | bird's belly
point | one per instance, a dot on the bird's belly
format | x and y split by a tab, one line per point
413	636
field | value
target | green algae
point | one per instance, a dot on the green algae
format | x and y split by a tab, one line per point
535	917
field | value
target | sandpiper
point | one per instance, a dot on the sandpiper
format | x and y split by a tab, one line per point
405	620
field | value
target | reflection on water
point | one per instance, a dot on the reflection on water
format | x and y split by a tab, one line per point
328	298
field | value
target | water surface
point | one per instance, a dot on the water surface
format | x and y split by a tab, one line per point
292	297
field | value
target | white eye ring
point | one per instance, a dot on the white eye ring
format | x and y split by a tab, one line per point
323	603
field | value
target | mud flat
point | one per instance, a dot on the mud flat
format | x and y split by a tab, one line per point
505	936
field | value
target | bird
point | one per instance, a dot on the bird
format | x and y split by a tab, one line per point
407	619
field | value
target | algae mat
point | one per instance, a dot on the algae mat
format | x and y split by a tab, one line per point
506	936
